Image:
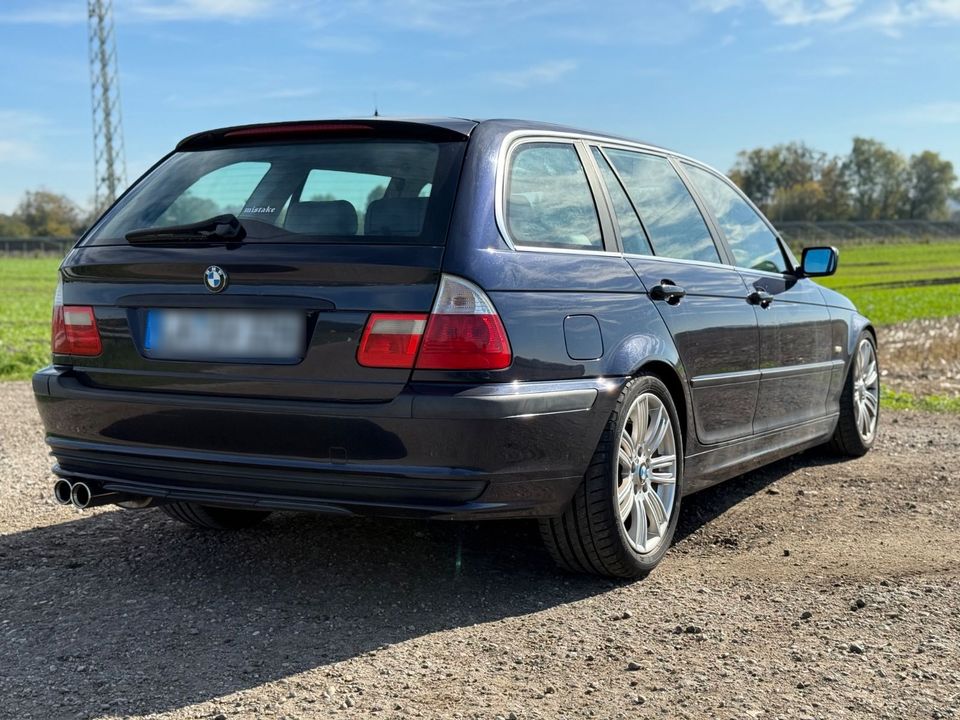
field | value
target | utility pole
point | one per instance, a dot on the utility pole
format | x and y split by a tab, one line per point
110	165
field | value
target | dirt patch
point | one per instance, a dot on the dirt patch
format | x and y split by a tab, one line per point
810	589
921	357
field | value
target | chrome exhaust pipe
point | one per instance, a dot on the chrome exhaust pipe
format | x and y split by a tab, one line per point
84	496
62	491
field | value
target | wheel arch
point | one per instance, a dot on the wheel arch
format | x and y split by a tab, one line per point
668	375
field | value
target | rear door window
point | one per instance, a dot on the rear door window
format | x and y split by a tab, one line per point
634	238
751	241
549	202
671	217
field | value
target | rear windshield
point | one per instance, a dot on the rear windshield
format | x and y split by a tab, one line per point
370	191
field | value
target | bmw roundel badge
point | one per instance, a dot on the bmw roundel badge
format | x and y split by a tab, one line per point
215	279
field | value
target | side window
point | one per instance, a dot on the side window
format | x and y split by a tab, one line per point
752	243
224	190
669	213
549	202
631	231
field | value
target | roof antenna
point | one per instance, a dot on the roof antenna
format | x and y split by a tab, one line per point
376	110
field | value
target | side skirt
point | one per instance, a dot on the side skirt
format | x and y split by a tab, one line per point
717	464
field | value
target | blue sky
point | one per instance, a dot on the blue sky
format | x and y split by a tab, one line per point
707	77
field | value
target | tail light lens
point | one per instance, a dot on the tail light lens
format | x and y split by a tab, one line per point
74	329
463	332
390	340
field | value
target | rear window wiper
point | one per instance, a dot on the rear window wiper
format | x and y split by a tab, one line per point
221	227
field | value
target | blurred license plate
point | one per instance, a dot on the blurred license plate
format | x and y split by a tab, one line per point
225	334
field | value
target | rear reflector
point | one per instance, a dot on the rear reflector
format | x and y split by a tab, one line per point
463	332
75	331
390	340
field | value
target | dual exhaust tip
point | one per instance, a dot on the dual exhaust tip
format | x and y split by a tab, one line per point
82	495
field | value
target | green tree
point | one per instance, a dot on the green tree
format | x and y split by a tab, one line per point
763	172
47	214
879	179
931	184
13	227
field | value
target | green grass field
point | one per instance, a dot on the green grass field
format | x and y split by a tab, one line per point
26	298
893	283
889	283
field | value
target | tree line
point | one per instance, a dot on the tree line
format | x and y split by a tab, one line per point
41	213
872	182
792	181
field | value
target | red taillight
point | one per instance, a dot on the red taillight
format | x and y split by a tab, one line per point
463	332
464	342
75	331
390	340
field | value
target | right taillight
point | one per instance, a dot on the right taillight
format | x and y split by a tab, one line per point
74	330
463	332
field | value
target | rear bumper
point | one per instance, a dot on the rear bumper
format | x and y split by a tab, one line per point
496	450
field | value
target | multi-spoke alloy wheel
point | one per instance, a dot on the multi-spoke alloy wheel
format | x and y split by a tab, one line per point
646	473
860	401
621	519
866	390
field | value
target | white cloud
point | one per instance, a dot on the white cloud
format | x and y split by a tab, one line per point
944	112
74	12
546	72
202	9
899	14
889	16
804	12
21	137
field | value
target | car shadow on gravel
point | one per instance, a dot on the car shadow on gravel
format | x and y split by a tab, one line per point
130	613
701	508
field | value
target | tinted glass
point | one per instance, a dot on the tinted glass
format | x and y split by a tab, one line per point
631	231
751	241
222	191
319	191
670	216
549	202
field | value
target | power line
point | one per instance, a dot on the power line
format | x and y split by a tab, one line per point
110	165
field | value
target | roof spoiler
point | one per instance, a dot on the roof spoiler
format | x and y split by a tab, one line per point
436	130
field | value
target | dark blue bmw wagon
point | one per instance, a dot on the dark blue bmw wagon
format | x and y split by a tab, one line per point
446	319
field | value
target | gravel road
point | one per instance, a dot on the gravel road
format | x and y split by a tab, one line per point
810	589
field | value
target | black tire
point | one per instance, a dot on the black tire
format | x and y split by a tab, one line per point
589	537
214	518
847	439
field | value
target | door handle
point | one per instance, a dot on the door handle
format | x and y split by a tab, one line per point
666	290
761	298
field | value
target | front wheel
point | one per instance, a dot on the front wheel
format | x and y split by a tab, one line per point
859	402
623	516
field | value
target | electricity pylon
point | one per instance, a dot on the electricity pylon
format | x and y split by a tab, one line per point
110	168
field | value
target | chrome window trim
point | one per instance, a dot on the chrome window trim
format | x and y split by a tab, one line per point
508	146
518	137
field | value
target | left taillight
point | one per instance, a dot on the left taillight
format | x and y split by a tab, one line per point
74	329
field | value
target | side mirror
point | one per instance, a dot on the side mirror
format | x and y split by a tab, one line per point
819	261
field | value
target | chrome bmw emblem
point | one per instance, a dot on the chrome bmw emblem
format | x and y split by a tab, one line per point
215	279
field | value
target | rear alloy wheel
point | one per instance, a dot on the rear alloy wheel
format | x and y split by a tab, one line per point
214	518
623	516
860	402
